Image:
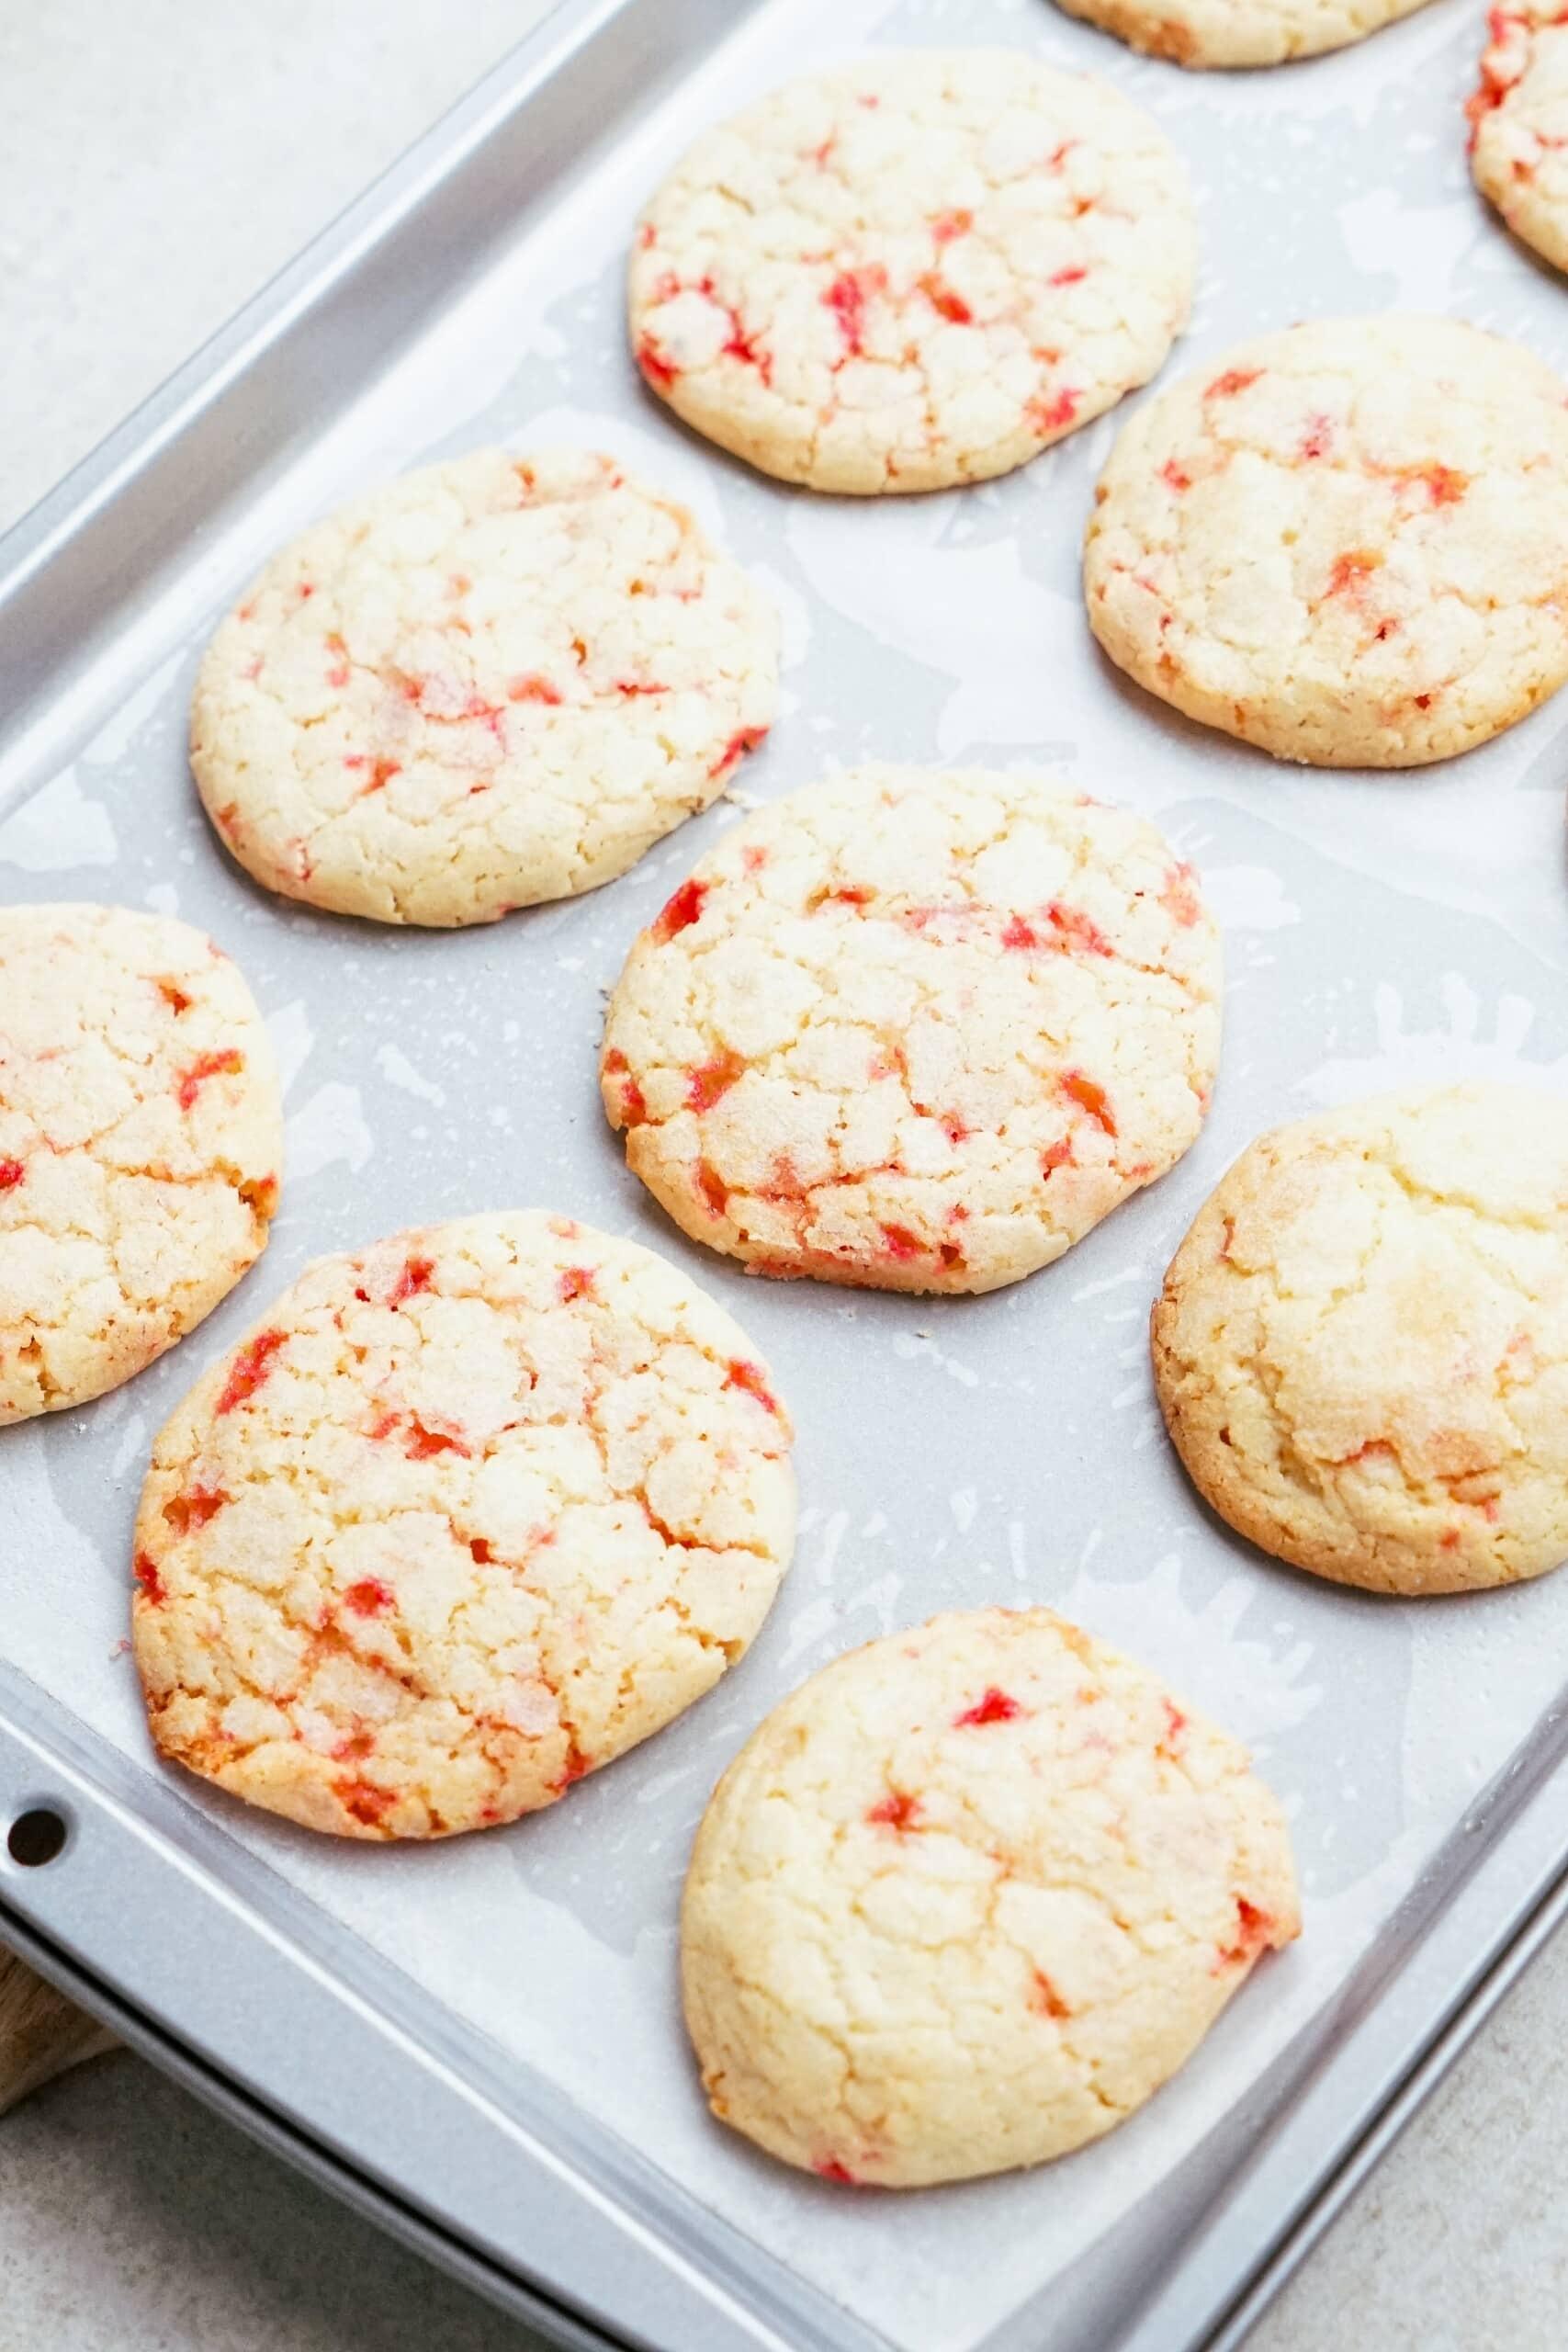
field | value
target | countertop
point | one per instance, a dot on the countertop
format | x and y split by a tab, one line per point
157	163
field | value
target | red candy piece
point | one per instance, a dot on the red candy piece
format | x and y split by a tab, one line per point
145	1571
659	372
1090	1098
1255	1933
190	1081
993	1706
420	1444
1045	1998
1079	929
414	1277
744	740
897	1810
679	910
945	303
365	1800
369	1597
1050	416
634	1108
194	1508
847	298
711	1083
249	1369
749	1376
1178	897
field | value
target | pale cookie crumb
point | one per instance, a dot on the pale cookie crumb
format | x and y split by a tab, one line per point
491	683
1361	1347
1239	32
1347	543
141	1140
1518	118
967	1899
914	272
916	1030
473	1511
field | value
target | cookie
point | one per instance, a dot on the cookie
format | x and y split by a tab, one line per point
916	1030
473	1511
913	272
1518	120
1347	543
969	1897
1361	1347
493	682
140	1139
1239	32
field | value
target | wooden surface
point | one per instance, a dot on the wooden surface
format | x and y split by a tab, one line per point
41	2032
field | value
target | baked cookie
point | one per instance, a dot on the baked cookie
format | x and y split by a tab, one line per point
1347	543
967	1899
490	682
916	1030
141	1138
913	272
1239	32
1362	1348
471	1512
1518	118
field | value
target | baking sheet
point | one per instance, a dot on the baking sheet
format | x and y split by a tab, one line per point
1379	930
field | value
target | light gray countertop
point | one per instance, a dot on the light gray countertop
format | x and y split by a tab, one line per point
157	162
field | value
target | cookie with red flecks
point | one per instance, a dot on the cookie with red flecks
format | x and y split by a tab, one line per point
471	1512
141	1140
913	272
967	1899
490	682
916	1030
1362	1346
1519	117
1239	32
1347	543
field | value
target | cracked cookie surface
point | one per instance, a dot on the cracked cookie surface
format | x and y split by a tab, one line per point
1347	543
967	1899
1239	32
491	683
916	1030
1361	1347
913	272
470	1513
141	1140
1518	118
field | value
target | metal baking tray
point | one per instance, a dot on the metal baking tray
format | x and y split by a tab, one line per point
479	2041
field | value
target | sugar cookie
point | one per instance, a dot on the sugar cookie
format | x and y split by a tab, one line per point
1519	117
1239	32
140	1139
494	682
967	1899
913	272
916	1030
1347	543
1361	1347
472	1511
